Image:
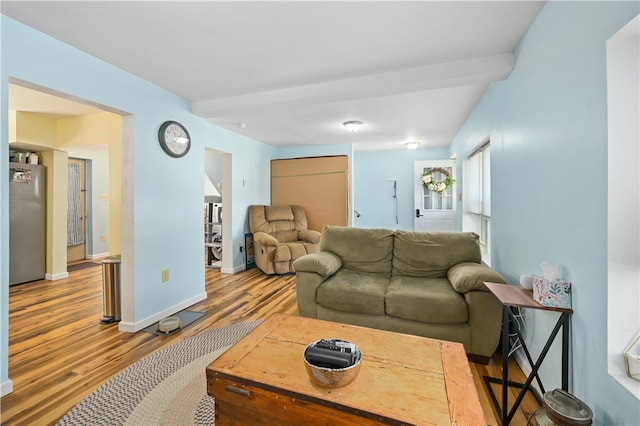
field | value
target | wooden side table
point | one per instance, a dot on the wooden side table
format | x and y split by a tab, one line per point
516	296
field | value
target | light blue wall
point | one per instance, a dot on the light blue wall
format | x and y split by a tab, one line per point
548	128
167	192
250	175
373	193
4	225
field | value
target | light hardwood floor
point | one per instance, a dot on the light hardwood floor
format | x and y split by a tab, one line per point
59	352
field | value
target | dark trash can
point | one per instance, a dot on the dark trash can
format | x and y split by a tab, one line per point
111	289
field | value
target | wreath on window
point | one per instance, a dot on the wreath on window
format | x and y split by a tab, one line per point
439	186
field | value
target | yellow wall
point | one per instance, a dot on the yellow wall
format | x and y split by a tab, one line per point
100	129
12	126
92	129
37	129
57	186
48	136
115	186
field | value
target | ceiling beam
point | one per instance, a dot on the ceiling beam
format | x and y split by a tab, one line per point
451	74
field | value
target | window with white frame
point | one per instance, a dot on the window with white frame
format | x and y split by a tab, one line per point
476	216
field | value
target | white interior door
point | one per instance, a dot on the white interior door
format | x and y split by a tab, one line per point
435	209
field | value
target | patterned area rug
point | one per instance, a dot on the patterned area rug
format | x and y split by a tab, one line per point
167	387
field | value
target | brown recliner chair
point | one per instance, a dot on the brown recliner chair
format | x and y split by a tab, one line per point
280	236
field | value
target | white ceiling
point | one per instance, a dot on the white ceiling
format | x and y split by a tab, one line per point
293	71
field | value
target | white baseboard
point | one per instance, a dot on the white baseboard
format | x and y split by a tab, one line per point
55	277
233	270
139	325
98	256
6	388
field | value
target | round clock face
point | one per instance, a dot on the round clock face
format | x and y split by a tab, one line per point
174	139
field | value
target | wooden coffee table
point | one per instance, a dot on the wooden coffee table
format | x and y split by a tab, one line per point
403	379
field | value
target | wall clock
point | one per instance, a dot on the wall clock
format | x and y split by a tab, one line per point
174	139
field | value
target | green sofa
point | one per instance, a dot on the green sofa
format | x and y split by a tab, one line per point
426	284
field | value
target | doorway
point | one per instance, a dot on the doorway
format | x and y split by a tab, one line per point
94	133
217	212
29	107
435	196
77	211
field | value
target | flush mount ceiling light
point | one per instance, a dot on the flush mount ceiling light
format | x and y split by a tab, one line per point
352	125
412	144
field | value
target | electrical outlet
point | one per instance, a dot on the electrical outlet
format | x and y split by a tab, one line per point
240	247
103	237
165	275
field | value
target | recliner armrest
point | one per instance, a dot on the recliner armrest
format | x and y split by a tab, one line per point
323	263
309	236
265	239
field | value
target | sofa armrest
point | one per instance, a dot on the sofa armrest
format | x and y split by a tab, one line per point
265	239
311	271
485	319
309	235
468	276
323	263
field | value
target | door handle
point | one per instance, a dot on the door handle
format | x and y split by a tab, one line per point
418	213
239	391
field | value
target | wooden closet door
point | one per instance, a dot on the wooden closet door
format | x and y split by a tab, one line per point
322	185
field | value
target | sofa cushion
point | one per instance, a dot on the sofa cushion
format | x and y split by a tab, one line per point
351	291
292	251
286	236
362	250
431	254
430	300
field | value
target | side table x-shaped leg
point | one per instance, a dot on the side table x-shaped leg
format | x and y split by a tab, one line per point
516	296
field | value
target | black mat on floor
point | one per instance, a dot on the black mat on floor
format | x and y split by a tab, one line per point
187	317
83	265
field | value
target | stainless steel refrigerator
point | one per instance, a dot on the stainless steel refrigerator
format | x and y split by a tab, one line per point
27	221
